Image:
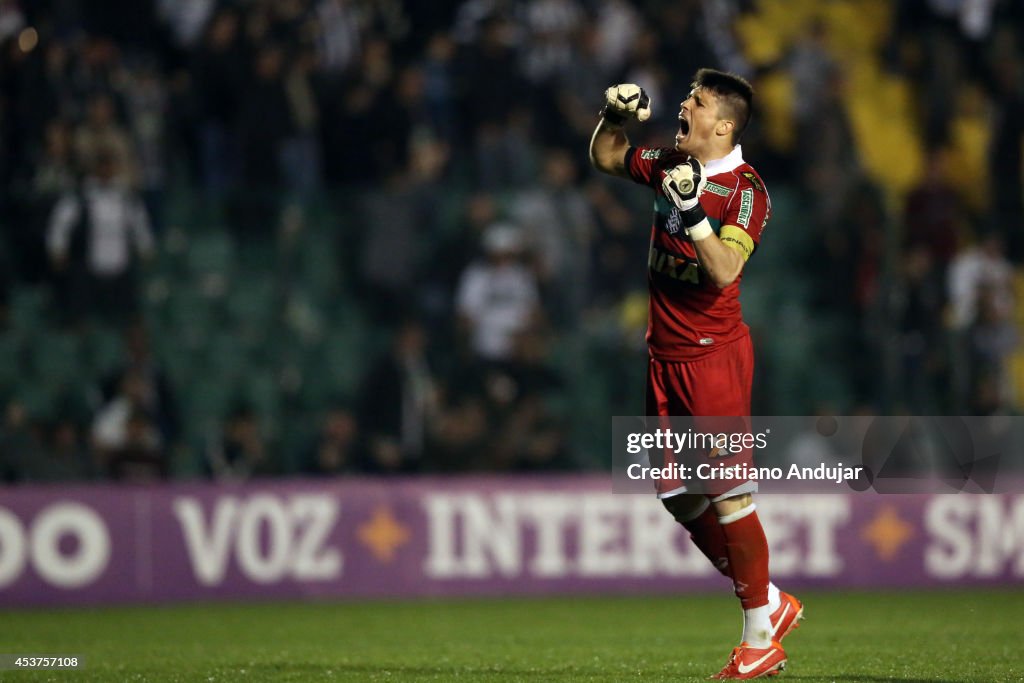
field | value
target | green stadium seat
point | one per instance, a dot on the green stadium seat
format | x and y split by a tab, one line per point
104	351
252	303
37	398
209	400
211	253
188	315
260	390
28	308
12	365
177	360
319	265
223	355
57	357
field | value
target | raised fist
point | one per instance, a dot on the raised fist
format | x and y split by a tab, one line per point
625	101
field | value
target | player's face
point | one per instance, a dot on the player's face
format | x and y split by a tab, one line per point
698	118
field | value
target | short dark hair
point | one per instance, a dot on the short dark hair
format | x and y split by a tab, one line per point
735	94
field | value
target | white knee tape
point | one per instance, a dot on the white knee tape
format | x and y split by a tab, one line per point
738	515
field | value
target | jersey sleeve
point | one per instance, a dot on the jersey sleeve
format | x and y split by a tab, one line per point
745	217
645	163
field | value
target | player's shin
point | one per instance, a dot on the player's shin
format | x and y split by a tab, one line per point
705	531
747	549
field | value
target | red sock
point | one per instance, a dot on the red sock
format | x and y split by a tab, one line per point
707	534
747	548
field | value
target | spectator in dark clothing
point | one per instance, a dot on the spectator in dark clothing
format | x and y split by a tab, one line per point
265	120
140	457
220	72
300	154
463	435
265	125
20	443
158	398
124	429
496	109
65	458
241	450
439	87
487	100
934	212
6	284
337	447
54	164
1006	157
920	299
52	175
399	403
101	135
614	249
992	339
522	395
366	123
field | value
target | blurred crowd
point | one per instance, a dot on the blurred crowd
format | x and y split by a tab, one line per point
449	140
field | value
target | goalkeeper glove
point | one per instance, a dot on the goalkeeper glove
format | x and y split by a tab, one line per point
683	185
626	101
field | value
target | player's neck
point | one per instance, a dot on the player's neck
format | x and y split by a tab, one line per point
715	154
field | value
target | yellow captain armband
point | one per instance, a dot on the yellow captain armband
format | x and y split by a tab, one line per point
735	238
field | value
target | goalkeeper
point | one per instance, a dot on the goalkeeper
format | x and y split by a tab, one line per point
710	210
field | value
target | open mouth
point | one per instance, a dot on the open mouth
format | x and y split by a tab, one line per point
684	127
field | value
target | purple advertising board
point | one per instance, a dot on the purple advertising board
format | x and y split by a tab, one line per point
365	538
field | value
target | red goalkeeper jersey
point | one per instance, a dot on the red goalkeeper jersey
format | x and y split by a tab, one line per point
689	316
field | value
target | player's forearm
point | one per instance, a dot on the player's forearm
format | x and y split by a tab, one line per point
721	262
608	148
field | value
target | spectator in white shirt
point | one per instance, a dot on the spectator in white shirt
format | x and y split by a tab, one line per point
981	303
497	299
123	430
978	268
91	237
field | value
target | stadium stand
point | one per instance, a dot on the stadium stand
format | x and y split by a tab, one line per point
293	239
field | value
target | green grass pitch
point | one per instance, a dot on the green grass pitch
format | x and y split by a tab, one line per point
854	637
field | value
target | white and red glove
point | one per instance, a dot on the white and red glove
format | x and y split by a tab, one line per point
626	101
683	185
